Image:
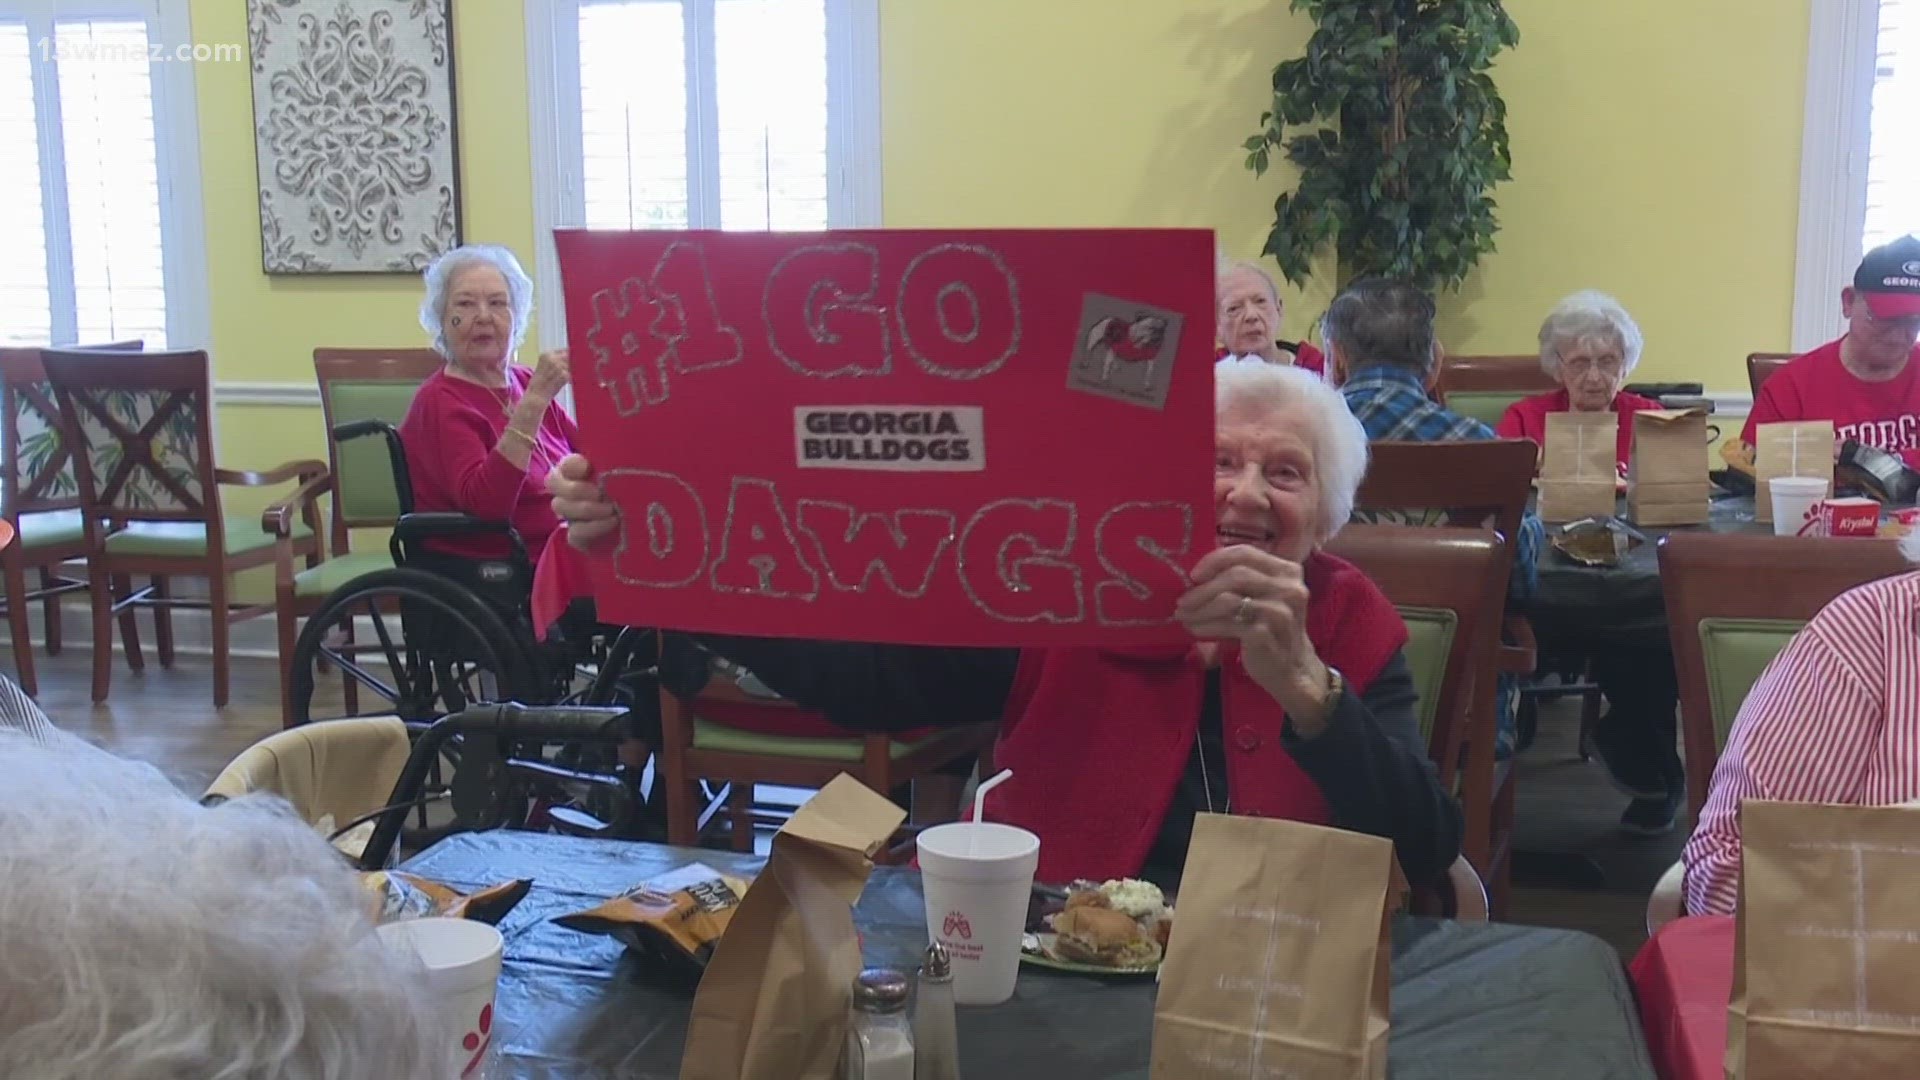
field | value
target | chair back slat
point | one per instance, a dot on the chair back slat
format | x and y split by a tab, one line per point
1484	386
36	464
366	384
144	434
1437	576
1761	366
1725	630
1482	484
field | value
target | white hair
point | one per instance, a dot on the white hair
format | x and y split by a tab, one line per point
148	937
1339	439
1589	318
1227	267
439	277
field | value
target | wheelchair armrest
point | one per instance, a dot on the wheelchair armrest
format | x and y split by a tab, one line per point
411	529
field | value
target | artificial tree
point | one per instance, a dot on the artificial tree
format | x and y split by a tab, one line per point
1399	136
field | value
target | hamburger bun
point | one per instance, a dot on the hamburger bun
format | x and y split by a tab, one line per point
1103	936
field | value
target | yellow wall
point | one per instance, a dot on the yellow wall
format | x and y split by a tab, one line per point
1656	155
1656	148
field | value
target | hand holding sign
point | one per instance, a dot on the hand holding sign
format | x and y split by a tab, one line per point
942	438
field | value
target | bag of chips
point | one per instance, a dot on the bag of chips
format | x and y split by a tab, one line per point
673	921
396	896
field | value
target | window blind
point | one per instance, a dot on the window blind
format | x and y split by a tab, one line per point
26	313
83	260
657	75
1893	157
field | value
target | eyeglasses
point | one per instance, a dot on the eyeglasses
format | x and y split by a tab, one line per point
1906	324
1606	365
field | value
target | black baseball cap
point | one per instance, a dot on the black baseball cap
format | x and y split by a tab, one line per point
1889	279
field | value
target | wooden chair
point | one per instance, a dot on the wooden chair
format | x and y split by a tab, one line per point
694	748
1726	630
150	497
1483	386
1762	365
355	384
40	498
1450	587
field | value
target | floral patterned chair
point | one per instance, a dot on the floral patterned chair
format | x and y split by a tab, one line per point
40	498
150	498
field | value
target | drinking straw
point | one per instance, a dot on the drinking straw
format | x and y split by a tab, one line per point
980	802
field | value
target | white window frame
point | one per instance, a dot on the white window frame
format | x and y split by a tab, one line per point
559	190
1843	47
176	139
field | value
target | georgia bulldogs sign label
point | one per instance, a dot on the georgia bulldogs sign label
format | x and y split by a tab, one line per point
913	436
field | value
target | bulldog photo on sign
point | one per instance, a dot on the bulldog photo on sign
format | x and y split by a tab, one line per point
1125	350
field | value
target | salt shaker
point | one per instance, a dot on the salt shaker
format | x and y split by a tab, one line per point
879	1037
936	1041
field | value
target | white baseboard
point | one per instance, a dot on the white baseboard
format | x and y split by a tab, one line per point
192	631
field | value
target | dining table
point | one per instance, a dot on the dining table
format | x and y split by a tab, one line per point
1469	1000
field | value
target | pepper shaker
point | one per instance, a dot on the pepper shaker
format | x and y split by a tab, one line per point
936	1039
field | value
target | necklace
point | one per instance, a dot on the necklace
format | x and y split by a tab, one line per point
1206	781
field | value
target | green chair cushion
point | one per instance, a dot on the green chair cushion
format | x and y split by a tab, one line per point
51	527
1429	639
188	539
1486	406
720	738
1737	651
322	580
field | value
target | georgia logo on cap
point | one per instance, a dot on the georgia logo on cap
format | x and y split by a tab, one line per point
1911	269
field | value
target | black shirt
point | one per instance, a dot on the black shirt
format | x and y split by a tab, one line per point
1203	787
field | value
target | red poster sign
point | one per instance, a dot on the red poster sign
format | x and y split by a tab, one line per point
936	437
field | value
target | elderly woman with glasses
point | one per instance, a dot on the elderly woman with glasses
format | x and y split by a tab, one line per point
483	431
1589	344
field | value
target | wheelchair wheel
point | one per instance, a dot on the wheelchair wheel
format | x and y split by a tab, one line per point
422	645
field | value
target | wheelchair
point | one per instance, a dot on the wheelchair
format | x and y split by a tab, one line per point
439	635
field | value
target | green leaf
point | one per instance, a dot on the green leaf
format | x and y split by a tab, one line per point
1398	134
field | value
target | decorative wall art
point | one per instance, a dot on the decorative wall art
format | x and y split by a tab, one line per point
354	132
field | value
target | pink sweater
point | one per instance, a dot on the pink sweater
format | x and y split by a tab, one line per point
450	434
1834	719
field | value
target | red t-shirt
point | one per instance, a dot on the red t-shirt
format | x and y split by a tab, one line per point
450	434
1527	419
1818	386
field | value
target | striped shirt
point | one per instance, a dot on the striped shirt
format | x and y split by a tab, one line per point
1834	719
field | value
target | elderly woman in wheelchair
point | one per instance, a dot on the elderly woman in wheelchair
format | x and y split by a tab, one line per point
451	624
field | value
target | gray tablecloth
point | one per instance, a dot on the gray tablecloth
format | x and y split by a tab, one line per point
1587	607
1469	1001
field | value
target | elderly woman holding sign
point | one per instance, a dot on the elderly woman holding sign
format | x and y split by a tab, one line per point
1293	701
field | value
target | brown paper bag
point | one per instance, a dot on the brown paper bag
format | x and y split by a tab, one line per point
773	1004
1279	964
1828	942
1667	470
1578	466
1797	448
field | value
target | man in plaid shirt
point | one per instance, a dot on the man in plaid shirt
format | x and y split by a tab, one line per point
1383	354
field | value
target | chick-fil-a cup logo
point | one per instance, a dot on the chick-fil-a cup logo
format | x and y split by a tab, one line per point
956	925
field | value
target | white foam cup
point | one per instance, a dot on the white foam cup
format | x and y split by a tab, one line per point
463	959
978	877
1794	497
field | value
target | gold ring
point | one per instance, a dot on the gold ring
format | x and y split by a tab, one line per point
1244	613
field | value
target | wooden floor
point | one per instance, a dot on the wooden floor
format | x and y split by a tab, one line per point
1566	806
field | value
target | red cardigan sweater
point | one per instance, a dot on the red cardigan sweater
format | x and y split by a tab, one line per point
1080	721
